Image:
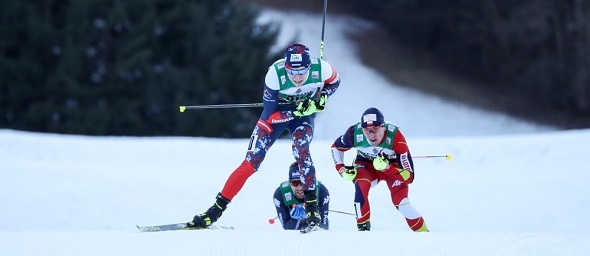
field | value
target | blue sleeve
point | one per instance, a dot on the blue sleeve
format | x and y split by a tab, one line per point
283	212
346	140
324	203
270	102
330	89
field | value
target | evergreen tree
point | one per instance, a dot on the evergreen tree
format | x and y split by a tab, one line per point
122	67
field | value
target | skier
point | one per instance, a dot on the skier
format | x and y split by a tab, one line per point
296	88
288	200
382	155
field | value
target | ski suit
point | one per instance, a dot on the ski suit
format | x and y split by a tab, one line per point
284	200
395	147
280	98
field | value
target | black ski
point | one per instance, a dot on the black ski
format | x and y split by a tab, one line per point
177	226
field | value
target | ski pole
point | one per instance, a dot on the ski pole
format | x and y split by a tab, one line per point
323	28
272	221
347	213
447	157
238	105
245	105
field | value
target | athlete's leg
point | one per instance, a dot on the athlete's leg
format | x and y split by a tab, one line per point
399	197
364	180
263	137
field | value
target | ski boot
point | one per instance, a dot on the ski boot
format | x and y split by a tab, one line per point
312	217
207	218
364	226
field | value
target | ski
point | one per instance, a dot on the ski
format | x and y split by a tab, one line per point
177	226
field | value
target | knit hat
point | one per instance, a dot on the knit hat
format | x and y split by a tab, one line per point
294	172
372	117
296	56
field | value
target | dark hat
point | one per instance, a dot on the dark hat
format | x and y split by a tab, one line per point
372	117
294	171
297	56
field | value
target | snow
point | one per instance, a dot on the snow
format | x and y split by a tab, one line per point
511	188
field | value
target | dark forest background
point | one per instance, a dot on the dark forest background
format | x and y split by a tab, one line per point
114	67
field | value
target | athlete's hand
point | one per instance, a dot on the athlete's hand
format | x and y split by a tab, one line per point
298	212
404	173
381	162
321	102
348	172
305	108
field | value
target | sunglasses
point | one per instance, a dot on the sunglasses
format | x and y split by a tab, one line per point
372	129
297	72
295	183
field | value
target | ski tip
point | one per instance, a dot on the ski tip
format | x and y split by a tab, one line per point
182	108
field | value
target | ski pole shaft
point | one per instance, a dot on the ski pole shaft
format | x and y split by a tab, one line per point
323	29
238	105
272	221
347	213
245	105
447	157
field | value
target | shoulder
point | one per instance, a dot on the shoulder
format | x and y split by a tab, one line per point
392	128
355	129
327	68
272	77
323	188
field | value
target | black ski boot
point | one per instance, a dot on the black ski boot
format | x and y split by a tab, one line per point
312	217
364	226
207	218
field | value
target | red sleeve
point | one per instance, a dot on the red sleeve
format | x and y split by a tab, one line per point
404	158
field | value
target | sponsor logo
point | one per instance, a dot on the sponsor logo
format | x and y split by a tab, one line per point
360	138
315	74
278	121
296	57
266	95
405	162
288	196
369	118
277	203
396	183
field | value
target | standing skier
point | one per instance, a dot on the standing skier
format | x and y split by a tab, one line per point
289	201
296	88
382	154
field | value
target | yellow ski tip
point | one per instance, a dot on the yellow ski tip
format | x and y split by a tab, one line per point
448	158
182	109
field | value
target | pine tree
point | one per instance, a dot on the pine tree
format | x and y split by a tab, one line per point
122	67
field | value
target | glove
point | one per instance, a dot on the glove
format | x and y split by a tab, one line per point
321	102
305	108
380	162
349	173
298	212
404	173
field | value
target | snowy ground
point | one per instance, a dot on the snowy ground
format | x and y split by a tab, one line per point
499	195
512	188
